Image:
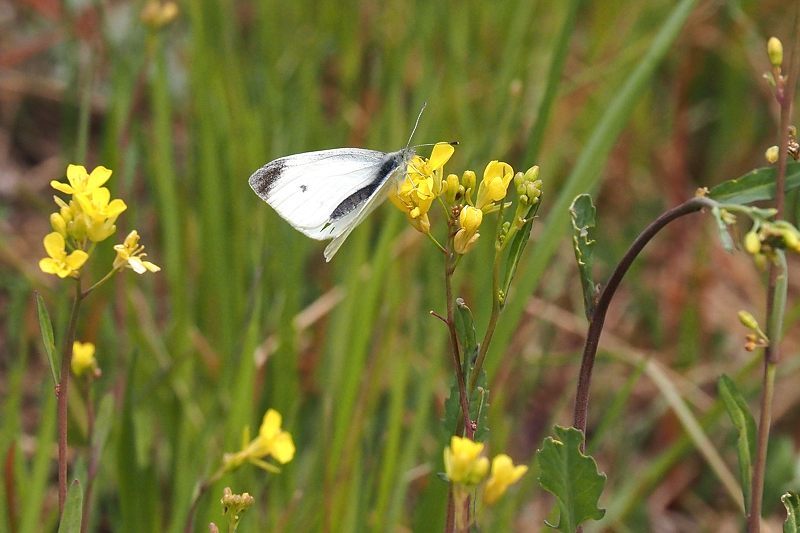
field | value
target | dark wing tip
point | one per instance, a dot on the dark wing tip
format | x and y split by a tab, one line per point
263	179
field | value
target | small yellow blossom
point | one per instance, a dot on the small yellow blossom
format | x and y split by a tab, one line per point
504	474
81	182
271	441
463	462
469	220
422	183
157	15
131	254
234	504
83	359
60	263
452	188
771	155
494	185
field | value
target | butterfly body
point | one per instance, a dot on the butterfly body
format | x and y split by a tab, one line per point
327	193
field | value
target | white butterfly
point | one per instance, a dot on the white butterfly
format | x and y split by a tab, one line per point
326	194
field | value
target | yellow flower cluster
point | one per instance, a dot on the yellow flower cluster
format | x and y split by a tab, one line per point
424	182
465	466
88	217
271	441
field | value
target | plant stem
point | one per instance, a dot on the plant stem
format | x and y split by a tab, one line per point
62	390
598	317
454	350
776	289
490	327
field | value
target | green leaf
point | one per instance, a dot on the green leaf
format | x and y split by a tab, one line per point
452	411
73	508
722	227
754	186
46	327
583	214
465	331
745	426
102	425
479	408
572	477
791	500
517	246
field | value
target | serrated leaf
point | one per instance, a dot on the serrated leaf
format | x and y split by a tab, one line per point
745	425
572	477
73	509
722	227
583	215
517	246
791	500
754	186
48	339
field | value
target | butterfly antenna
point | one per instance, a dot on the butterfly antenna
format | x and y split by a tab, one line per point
416	124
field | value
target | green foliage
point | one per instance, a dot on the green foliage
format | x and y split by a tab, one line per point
791	500
755	186
73	507
46	329
517	247
572	477
745	425
583	214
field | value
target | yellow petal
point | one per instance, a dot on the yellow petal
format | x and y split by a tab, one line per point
100	196
440	154
151	266
48	265
116	207
136	264
98	177
76	259
54	245
283	447
63	187
77	176
270	424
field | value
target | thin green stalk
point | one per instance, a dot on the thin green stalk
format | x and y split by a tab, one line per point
490	327
776	290
454	350
62	390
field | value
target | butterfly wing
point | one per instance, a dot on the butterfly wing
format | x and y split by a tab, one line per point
325	194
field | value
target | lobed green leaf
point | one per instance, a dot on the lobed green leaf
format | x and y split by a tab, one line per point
583	215
572	477
791	500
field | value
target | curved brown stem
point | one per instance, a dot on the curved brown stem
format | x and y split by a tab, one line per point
598	317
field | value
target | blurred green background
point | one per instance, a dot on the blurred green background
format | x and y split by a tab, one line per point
638	103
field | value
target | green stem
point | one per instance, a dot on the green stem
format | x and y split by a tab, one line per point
62	390
102	280
454	350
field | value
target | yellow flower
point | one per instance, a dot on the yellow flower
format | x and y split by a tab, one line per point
60	263
463	463
469	220
81	182
422	183
83	359
157	15
102	213
271	440
130	253
494	185
504	474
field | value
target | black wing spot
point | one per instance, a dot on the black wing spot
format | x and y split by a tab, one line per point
361	195
264	178
303	188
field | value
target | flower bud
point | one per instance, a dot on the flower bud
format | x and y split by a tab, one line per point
752	243
451	188
775	51
771	155
747	320
468	180
470	218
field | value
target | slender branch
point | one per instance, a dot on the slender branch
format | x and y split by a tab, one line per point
598	318
454	349
784	94
62	390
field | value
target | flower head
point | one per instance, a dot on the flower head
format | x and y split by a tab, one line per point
494	185
83	359
59	262
469	220
131	254
271	441
80	181
504	474
422	183
463	462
